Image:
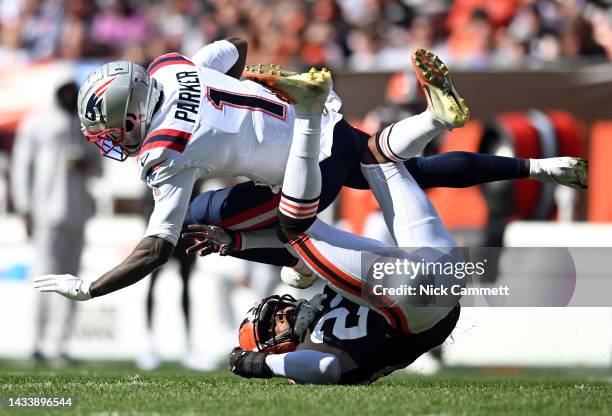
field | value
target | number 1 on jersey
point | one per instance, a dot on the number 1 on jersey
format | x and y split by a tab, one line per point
220	98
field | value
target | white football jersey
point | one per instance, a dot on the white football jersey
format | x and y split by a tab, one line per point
212	125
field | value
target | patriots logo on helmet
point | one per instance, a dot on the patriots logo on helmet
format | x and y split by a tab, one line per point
95	102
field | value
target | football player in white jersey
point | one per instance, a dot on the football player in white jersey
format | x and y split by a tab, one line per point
189	118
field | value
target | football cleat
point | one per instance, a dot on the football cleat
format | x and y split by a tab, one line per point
302	89
443	100
567	171
296	279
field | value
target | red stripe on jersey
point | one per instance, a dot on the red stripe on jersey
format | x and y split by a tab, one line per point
163	144
262	224
171	55
251	213
171	60
166	138
160	66
169	132
166	55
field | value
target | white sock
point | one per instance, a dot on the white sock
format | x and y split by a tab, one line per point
537	169
534	168
407	138
306	136
302	182
306	110
410	216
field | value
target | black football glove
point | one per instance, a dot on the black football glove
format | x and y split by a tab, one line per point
212	239
249	364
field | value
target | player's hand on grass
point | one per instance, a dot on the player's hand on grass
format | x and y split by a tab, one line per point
249	364
212	239
67	285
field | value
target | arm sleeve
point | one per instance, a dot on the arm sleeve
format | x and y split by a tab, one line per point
260	239
22	168
306	366
171	203
219	56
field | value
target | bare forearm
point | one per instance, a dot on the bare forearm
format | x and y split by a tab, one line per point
148	255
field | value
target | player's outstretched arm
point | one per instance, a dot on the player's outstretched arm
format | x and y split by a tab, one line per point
212	239
148	255
242	48
227	56
304	366
209	239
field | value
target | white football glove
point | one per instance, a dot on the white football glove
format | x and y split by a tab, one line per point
66	285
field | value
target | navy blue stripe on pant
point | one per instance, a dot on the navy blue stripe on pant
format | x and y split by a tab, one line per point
342	168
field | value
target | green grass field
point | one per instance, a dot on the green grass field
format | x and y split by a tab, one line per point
114	389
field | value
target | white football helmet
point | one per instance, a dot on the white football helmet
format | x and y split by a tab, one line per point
116	104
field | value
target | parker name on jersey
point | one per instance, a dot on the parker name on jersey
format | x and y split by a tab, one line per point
220	125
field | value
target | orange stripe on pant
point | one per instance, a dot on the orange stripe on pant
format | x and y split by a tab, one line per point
346	282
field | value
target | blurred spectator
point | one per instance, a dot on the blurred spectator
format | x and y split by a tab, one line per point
361	35
470	45
118	24
51	164
39	25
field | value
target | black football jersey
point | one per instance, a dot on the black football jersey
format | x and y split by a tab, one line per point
363	341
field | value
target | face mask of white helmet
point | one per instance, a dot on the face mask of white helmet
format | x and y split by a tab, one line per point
116	104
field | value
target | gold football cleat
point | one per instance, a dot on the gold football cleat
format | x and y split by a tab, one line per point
442	98
306	88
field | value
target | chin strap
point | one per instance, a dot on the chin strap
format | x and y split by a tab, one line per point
308	310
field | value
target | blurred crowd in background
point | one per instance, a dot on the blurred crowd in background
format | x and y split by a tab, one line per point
358	35
354	35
